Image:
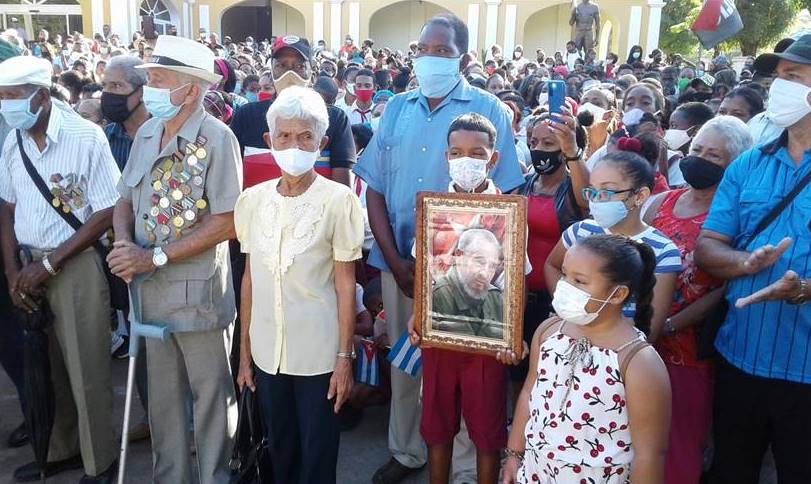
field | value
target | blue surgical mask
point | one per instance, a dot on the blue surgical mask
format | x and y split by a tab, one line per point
252	97
17	112
159	102
608	214
437	76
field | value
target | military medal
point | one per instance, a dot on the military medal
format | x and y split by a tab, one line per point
56	202
197	180
191	160
164	202
178	221
154	211
189	215
157	186
201	204
200	153
164	229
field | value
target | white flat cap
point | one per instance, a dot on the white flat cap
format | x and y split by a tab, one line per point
21	70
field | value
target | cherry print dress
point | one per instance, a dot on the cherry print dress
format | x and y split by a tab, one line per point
577	430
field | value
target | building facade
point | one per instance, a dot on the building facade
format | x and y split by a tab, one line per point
393	23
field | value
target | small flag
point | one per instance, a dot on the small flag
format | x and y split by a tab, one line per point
404	356
718	21
368	370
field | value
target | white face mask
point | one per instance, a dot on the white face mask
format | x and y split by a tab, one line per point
595	110
468	173
570	303
788	102
289	78
294	161
632	117
676	138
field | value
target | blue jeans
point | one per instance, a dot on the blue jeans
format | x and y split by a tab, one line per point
301	427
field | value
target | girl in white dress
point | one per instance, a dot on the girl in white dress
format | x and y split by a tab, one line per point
595	407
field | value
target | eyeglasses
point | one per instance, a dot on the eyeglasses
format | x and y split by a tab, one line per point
593	195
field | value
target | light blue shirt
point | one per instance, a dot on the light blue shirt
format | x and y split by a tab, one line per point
770	339
407	155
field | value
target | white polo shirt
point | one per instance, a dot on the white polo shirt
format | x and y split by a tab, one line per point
76	165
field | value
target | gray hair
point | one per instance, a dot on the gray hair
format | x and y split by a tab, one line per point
299	103
135	77
732	130
471	236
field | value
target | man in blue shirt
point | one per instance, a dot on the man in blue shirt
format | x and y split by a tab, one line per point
763	383
406	156
122	105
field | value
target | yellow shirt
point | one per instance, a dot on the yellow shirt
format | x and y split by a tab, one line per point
294	243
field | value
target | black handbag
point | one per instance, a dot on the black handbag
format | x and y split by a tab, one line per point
250	462
717	316
119	297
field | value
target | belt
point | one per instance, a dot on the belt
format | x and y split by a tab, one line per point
28	255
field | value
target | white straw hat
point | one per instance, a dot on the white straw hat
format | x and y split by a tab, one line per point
183	55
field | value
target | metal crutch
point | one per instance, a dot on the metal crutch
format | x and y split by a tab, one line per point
137	330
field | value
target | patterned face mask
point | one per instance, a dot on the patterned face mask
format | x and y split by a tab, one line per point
468	173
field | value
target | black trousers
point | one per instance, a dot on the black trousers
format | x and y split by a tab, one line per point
752	413
536	311
301	427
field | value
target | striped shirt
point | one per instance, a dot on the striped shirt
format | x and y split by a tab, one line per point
668	258
120	143
770	339
77	166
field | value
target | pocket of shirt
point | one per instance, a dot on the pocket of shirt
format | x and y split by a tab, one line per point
390	151
132	180
754	207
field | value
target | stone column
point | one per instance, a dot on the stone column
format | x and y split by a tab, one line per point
654	23
335	35
491	24
473	26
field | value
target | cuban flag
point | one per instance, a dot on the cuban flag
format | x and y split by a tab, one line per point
368	368
718	21
404	356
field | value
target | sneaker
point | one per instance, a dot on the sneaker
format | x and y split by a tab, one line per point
119	348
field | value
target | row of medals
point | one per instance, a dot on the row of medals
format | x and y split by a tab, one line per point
64	197
172	202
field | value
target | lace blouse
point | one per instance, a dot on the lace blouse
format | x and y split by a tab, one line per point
294	243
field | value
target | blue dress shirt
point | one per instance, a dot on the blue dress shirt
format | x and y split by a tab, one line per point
407	155
120	143
770	339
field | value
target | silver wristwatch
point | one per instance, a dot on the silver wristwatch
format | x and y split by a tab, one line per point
159	257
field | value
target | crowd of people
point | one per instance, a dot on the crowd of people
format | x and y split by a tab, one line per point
258	197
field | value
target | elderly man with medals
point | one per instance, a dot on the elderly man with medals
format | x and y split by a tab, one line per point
172	225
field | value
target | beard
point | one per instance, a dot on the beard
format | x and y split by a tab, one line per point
477	294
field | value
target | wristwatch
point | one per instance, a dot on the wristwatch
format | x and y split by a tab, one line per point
802	296
348	355
159	257
575	157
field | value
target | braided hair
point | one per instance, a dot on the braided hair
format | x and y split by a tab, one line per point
627	263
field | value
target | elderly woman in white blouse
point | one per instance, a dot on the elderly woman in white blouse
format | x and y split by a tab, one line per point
301	233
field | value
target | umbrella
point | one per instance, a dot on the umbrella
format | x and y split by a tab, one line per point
37	385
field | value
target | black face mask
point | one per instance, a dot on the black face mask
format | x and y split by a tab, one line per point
545	162
700	173
114	106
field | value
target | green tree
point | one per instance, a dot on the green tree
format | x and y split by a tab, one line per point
677	16
765	22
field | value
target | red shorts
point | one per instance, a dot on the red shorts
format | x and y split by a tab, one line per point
458	384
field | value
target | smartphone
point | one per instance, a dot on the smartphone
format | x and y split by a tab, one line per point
557	98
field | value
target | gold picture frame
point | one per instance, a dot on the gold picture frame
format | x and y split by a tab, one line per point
470	261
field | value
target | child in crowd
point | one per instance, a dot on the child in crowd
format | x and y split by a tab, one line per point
457	384
595	406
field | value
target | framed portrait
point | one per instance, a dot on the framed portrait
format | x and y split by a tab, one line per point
469	278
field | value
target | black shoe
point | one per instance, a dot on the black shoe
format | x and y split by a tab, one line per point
18	437
393	472
31	471
106	477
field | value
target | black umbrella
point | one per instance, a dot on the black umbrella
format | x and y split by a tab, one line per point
37	385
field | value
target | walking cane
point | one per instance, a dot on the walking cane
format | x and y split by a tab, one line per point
137	330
